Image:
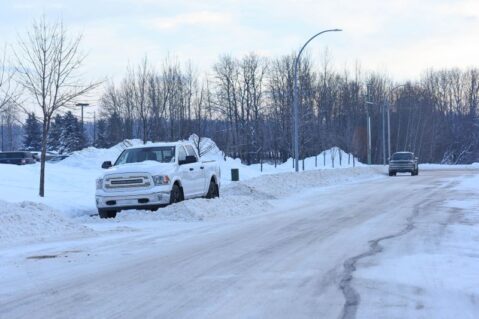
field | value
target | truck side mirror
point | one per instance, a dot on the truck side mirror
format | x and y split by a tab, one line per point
106	164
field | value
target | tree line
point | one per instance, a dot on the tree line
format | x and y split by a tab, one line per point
244	104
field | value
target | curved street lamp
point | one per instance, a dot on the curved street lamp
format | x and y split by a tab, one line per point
295	99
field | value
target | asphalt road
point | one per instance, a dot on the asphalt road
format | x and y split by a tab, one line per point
295	262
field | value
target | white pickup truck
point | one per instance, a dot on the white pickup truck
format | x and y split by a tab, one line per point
154	175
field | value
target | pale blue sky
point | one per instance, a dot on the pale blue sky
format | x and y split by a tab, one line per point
399	38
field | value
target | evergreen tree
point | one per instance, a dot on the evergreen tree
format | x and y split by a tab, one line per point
55	134
102	136
73	138
33	134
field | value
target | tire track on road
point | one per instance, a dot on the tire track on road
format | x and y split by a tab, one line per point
352	297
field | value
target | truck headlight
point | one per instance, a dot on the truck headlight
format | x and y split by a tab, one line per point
99	183
161	180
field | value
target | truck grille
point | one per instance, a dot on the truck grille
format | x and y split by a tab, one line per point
119	182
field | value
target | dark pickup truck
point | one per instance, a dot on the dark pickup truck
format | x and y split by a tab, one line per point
18	158
403	162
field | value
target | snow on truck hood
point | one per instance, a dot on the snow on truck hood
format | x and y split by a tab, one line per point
152	167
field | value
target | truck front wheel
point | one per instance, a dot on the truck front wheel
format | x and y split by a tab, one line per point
175	195
106	213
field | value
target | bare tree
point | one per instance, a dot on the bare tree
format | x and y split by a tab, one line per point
48	61
7	90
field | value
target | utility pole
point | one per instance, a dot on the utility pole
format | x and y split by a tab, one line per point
368	102
2	132
82	105
296	102
383	106
389	132
94	128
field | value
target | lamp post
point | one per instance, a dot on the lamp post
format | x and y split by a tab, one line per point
368	102
295	99
388	105
82	105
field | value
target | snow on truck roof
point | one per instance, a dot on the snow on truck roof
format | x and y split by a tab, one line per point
159	144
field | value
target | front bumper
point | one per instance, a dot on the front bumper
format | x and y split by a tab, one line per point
137	201
402	168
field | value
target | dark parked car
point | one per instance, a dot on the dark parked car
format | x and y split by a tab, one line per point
58	158
403	162
48	155
18	158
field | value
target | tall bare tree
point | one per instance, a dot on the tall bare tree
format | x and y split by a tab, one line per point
8	91
48	61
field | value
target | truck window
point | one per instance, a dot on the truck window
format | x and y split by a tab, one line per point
402	156
191	151
181	153
160	154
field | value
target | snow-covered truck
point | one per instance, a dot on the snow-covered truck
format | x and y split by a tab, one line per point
154	175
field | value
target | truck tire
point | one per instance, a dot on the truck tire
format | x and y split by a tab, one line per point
175	194
392	174
213	190
106	213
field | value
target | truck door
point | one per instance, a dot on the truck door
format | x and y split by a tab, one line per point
197	171
185	173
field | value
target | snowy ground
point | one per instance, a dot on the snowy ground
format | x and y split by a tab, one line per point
70	184
324	243
348	243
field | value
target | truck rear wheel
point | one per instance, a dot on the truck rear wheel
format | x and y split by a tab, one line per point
213	190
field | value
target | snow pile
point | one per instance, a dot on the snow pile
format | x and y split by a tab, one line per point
328	159
33	222
427	166
92	157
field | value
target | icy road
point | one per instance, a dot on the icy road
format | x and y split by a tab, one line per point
403	247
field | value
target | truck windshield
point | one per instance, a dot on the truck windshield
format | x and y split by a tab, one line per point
402	156
163	154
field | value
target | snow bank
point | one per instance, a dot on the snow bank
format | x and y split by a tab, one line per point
70	184
251	197
427	166
91	157
33	222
